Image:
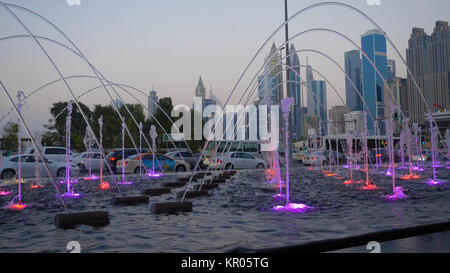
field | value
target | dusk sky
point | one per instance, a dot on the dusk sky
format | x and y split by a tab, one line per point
168	44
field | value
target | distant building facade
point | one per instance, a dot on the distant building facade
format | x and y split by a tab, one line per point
336	117
295	89
353	69
373	44
428	58
152	104
391	70
319	96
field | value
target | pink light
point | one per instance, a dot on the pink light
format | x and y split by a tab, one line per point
5	193
154	174
397	195
293	207
348	182
369	186
330	174
36	187
104	185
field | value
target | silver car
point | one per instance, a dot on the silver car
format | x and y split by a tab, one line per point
238	160
9	167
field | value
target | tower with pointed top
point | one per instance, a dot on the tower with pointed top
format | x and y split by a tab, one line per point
200	90
270	85
295	90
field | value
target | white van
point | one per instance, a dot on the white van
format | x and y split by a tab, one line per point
57	154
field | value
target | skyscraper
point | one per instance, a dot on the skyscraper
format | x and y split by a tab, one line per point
353	70
295	88
428	58
309	98
373	43
152	103
319	95
391	70
337	119
270	85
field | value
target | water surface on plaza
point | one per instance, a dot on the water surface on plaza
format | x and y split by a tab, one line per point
238	214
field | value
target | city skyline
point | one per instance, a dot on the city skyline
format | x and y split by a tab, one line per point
174	50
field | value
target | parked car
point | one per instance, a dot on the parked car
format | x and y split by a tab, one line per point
116	154
238	160
316	158
427	156
299	155
94	159
9	167
57	154
188	157
161	162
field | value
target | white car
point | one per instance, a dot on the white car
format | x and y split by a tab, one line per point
93	161
238	160
9	167
57	154
316	158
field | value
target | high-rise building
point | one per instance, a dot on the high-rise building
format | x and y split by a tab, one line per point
353	70
295	89
337	120
395	86
309	98
428	58
391	70
270	87
404	97
319	95
373	43
152	103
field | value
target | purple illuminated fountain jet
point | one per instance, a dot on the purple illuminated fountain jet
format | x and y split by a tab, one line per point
447	143
286	107
123	182
70	193
417	146
37	170
88	142
397	192
434	139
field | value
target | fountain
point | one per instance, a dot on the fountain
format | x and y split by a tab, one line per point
401	148
409	142
369	185
447	143
103	184
124	182
397	192
286	106
153	135
350	158
70	193
88	142
418	146
36	184
19	205
434	164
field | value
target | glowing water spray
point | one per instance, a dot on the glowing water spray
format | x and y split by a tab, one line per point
37	169
19	205
286	107
417	146
88	142
409	142
124	182
369	185
70	193
153	135
103	184
434	134
447	143
350	156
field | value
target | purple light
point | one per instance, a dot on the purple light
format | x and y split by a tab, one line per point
417	168
72	181
91	177
125	183
388	172
71	195
346	167
397	195
293	207
154	174
433	182
279	196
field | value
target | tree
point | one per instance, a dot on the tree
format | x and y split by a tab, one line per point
9	136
